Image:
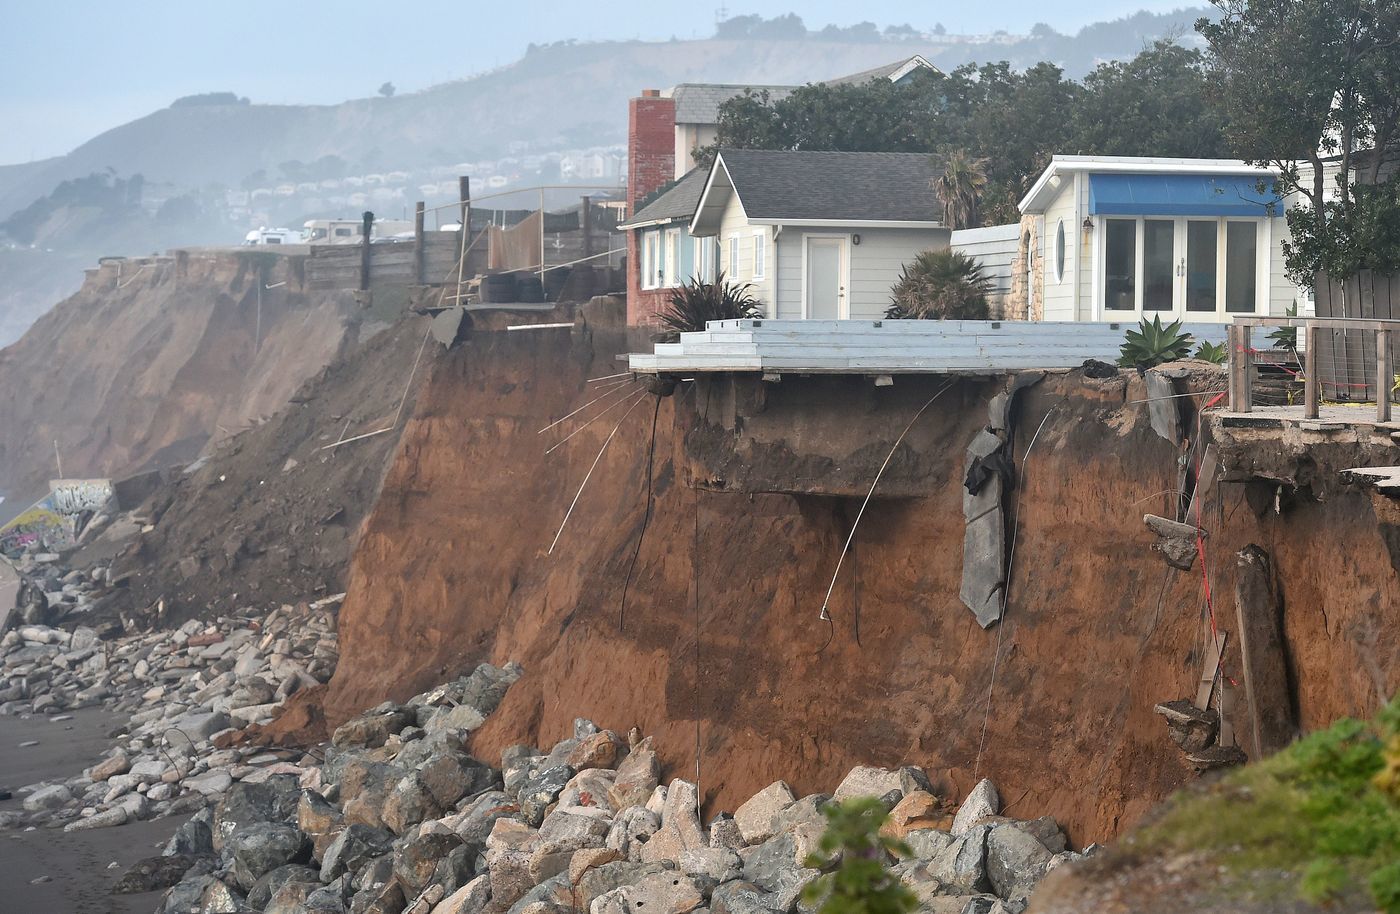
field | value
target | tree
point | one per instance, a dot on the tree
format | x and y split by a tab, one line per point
1155	104
1317	83
959	189
387	90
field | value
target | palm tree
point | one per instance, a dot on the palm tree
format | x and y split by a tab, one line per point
959	189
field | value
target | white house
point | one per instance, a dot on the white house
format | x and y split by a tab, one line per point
819	235
1107	238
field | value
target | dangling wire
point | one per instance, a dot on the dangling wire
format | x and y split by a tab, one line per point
646	519
825	616
589	475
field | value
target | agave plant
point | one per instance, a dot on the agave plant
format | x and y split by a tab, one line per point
941	285
1286	337
1214	353
1152	344
695	303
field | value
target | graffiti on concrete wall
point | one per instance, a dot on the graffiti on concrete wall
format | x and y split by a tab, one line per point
74	496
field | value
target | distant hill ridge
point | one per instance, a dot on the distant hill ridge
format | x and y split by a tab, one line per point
556	96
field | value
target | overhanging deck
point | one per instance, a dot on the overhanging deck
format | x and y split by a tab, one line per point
892	347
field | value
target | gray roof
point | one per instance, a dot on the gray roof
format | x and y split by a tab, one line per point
675	203
886	72
698	103
853	186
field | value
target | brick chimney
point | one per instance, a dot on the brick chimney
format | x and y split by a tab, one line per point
651	144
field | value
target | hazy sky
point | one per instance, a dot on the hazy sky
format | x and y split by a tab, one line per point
69	70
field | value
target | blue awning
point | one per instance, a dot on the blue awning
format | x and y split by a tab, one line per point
1182	195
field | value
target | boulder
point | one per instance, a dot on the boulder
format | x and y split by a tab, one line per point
457	868
1016	861
983	801
263	847
589	788
417	860
193	837
260	895
353	848
52	796
927	843
480	816
962	865
117	764
469	899
680	825
462	717
154	873
600	750
244	805
755	816
741	897
373	728
724	832
451	775
663	893
597	881
866	781
717	863
379	898
918	809
104	819
409	803
637	777
560	835
538	792
630	831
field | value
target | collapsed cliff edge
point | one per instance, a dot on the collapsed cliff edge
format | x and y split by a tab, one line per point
719	648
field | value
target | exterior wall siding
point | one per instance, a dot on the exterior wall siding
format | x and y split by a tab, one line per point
1058	296
875	266
997	250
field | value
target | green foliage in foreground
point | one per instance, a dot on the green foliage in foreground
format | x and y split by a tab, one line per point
1326	809
853	845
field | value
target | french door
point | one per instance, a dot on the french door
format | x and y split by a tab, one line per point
1205	269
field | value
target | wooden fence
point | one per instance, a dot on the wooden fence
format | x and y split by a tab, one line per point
1346	358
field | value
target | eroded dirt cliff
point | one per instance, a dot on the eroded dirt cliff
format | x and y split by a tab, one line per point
721	652
151	359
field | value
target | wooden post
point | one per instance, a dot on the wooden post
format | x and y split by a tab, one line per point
1312	384
1238	341
585	215
1263	665
419	243
366	227
464	199
541	236
1385	375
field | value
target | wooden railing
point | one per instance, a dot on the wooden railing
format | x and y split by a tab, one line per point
1242	358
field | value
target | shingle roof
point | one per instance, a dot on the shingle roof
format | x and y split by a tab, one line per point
887	71
855	186
676	202
698	103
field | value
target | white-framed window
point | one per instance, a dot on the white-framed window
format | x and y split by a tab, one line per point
1059	251
1194	267
651	260
733	270
670	259
760	254
705	251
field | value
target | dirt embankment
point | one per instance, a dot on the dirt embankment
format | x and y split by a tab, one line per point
152	359
722	612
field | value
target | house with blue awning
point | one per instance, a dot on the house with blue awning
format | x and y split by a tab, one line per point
1108	238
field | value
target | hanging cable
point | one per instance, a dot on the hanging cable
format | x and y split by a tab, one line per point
646	519
589	475
825	616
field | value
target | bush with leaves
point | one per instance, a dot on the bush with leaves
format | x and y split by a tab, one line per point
695	303
1153	344
941	285
1215	353
853	854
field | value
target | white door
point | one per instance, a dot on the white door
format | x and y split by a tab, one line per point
824	289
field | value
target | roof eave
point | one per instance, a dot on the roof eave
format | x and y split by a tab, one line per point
851	223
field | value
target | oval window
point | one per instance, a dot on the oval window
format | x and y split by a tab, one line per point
1060	251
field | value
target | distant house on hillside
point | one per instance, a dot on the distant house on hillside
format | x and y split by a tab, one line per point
1106	238
697	105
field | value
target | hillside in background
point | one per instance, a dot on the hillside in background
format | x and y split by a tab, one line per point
214	154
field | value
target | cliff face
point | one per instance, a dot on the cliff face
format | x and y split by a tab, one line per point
721	652
152	359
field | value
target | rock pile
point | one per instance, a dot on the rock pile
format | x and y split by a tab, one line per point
400	818
186	690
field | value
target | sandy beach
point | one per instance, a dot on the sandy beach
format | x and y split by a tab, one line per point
76	863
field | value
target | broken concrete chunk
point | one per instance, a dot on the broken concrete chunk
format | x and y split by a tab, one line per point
1191	728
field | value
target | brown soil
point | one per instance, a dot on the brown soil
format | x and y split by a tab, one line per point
452	569
144	369
271	515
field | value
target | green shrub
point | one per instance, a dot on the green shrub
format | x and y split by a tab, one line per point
1215	353
853	853
1153	344
1326	810
941	285
696	302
